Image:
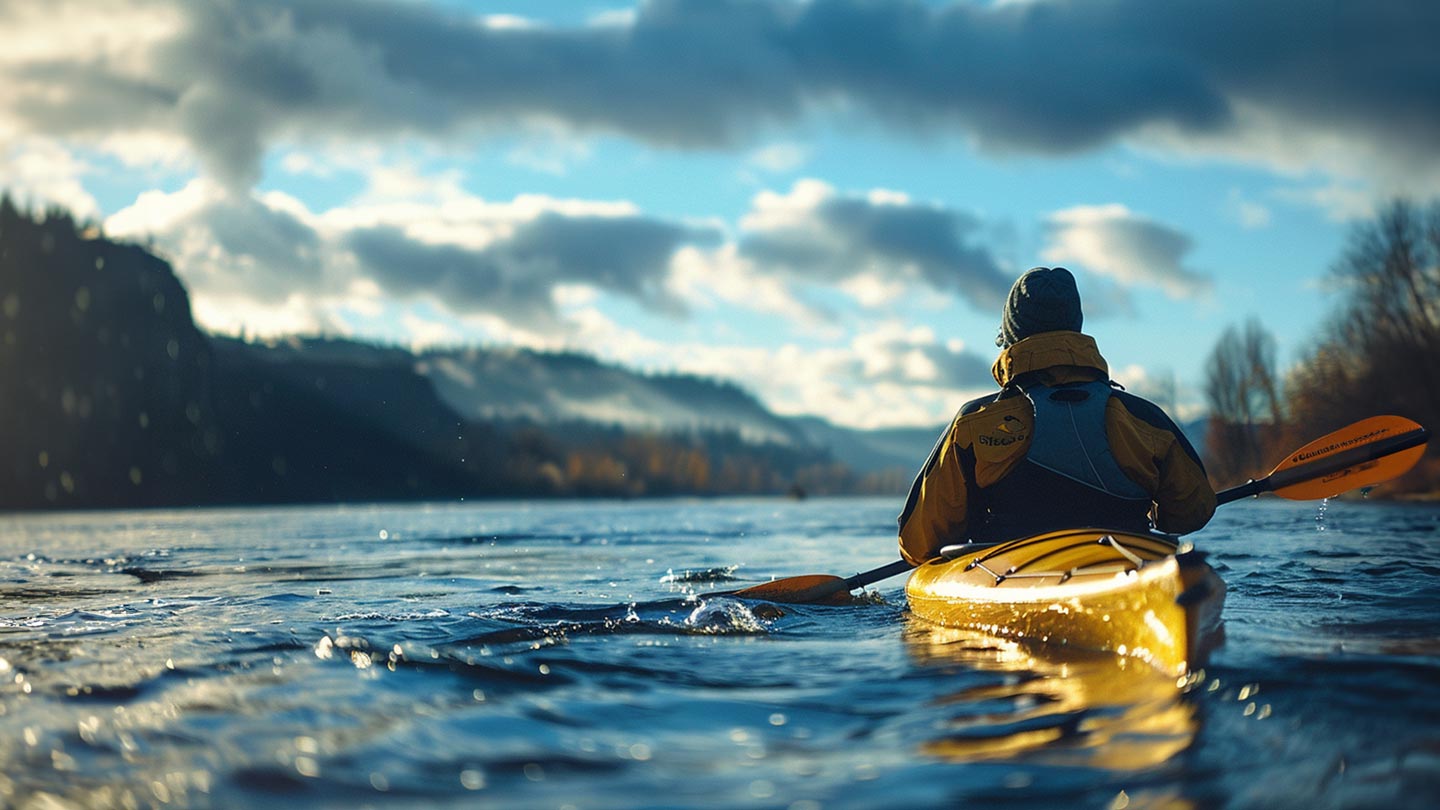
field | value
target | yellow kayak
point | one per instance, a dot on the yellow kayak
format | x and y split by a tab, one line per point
1139	595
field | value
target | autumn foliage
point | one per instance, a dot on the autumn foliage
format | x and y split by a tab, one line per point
1379	353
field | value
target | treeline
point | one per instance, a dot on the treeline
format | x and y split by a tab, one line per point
110	396
1378	353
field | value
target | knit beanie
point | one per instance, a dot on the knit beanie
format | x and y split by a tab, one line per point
1042	300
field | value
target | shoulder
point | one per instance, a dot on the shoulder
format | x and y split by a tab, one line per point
1153	416
974	405
1145	410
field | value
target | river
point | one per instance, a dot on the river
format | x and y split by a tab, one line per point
556	655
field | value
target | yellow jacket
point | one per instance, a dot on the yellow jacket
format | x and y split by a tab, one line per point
991	436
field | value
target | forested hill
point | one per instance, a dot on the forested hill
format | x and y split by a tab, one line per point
112	397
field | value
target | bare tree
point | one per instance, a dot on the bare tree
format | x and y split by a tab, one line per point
1242	390
1381	352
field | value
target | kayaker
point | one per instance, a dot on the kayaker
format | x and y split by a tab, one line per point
1060	446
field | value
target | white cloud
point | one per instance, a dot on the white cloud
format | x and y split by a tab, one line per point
703	278
40	172
887	376
1247	212
1135	251
238	314
552	153
1341	202
427	333
779	158
414	238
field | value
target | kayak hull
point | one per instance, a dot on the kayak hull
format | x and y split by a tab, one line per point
1139	595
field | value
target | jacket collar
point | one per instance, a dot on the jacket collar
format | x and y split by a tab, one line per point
1069	355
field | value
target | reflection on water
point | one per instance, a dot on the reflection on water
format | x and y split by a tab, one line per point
1054	705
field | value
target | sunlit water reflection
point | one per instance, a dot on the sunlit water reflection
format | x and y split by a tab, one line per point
557	655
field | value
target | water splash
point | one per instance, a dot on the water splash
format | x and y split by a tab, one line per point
724	616
719	574
1320	515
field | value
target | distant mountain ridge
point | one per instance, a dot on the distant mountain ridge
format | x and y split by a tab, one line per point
115	399
518	385
521	384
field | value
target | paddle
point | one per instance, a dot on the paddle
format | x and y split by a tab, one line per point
1363	454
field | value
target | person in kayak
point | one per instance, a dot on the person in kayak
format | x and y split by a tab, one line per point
1060	446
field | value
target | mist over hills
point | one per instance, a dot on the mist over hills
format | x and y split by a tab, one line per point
520	384
115	398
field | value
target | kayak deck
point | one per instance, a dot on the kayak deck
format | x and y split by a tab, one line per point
1139	595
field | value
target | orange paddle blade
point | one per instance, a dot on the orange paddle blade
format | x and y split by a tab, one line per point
1363	454
808	589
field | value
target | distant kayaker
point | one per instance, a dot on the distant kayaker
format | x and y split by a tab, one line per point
1060	446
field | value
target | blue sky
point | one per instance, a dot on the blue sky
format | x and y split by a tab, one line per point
823	201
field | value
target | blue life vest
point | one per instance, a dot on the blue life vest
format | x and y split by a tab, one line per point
1069	477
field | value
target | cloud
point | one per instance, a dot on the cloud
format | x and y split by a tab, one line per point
235	77
1247	212
779	158
42	173
704	278
515	276
815	234
1126	248
265	248
1341	202
886	375
512	260
912	357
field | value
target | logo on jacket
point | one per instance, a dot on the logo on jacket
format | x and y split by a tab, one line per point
1012	433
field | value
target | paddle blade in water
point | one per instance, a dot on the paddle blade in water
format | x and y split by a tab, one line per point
814	588
1363	454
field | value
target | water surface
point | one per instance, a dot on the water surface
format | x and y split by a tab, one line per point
558	655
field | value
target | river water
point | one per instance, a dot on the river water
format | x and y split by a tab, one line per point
555	655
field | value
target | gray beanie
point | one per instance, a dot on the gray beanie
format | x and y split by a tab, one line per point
1042	300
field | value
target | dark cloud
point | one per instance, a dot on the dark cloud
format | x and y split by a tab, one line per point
1048	77
960	369
515	277
832	238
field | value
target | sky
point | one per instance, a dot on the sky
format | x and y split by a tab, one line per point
825	202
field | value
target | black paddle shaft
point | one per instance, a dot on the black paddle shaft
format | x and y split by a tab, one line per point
876	574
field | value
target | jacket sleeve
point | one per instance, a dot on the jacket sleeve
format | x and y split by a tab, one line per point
936	513
1151	447
1185	501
